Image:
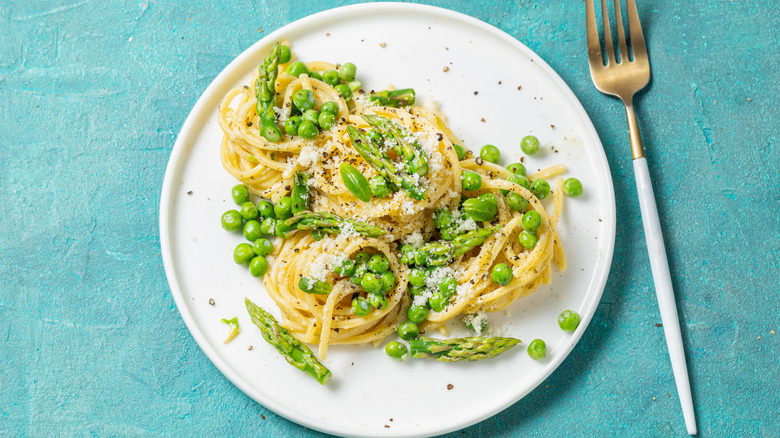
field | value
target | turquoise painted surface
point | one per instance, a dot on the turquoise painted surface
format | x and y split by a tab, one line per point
92	95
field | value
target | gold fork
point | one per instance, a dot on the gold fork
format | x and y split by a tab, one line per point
623	79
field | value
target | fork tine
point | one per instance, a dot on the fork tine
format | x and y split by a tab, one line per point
621	34
635	29
607	34
594	47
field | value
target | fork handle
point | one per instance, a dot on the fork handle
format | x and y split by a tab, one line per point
663	288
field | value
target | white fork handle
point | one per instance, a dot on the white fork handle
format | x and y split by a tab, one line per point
663	289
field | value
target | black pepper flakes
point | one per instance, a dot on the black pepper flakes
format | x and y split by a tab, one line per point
479	161
439	136
449	386
482	120
476	92
250	348
211	301
190	193
445	69
297	250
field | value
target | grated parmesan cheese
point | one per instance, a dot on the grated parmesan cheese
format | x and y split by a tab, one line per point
415	239
477	320
308	156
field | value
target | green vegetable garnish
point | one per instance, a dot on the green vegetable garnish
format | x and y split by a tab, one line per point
457	349
293	350
233	323
355	182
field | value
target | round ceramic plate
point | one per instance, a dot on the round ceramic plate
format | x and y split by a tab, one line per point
494	90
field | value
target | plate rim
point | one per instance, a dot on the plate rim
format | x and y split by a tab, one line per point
180	147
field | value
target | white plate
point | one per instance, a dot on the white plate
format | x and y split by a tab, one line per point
370	394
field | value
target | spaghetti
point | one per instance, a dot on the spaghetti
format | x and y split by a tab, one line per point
268	169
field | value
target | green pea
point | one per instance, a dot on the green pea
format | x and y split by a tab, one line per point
360	306
371	283
460	151
243	253
356	279
568	320
388	282
397	350
408	330
347	71
438	301
330	107
285	54
355	182
315	75
345	269
448	286
263	246
516	168
378	185
292	125
416	290
490	153
537	349
540	188
232	220
417	314
572	187
362	257
308	130
258	266
531	221
378	264
418	277
528	239
470	180
407	254
420	258
442	218
252	230
529	144
516	202
297	68
502	274
312	116
519	180
283	208
331	77
361	270
377	301
265	209
248	210
326	120
344	91
268	226
240	194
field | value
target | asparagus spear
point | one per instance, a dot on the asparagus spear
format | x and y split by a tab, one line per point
405	144
383	164
439	253
393	98
457	349
313	286
301	198
330	223
265	91
293	350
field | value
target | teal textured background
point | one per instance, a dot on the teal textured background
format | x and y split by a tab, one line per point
93	93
